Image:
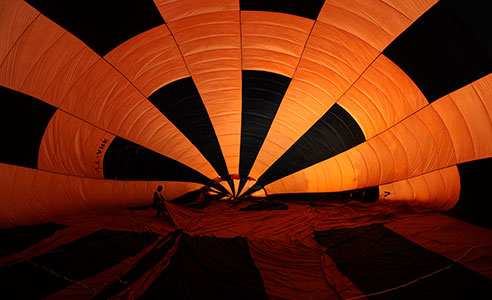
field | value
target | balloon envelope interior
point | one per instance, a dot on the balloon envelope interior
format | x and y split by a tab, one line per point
368	104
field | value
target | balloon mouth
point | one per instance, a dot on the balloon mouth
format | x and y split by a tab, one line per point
235	187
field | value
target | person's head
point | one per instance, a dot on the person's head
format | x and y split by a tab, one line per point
159	188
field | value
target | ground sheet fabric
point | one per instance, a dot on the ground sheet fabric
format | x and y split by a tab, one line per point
338	251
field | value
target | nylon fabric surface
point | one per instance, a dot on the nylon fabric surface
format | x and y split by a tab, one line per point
262	124
279	257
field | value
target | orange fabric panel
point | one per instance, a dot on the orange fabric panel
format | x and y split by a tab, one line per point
149	60
439	189
426	142
103	97
332	61
174	10
227	187
458	128
236	185
32	196
64	72
383	96
74	147
174	189
391	155
419	144
449	237
374	21
467	114
15	17
483	87
411	9
224	110
211	48
273	42
358	167
246	187
46	61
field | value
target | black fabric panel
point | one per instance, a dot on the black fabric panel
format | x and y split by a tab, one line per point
209	268
218	187
232	186
262	94
202	204
23	121
147	262
77	260
474	204
308	9
256	187
375	258
475	16
447	48
457	283
266	205
187	198
364	195
181	103
125	160
242	183
335	132
19	238
102	25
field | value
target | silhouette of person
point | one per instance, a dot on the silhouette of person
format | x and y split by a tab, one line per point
159	205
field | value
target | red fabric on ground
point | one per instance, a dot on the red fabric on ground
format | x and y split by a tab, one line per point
140	286
450	237
83	225
86	288
222	220
181	215
296	270
355	214
292	264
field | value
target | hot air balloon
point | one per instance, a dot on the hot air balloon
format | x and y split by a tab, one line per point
323	149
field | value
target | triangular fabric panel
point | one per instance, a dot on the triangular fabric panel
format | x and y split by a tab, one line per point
198	269
446	48
334	133
87	256
31	235
124	160
114	22
29	117
180	102
366	254
262	94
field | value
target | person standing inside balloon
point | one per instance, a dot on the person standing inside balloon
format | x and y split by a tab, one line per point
159	205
